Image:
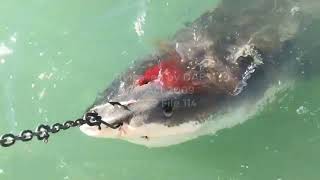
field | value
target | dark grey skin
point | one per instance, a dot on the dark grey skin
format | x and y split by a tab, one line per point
235	51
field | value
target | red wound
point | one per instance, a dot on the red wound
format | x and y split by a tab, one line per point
150	75
170	73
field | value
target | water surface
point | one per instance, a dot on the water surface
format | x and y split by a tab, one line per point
59	54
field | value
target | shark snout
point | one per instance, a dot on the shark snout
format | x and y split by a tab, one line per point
112	113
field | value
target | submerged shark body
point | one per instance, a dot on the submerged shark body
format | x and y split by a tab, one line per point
223	63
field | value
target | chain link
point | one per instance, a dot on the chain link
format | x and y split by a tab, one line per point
42	132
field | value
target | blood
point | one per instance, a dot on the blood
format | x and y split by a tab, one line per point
170	72
149	75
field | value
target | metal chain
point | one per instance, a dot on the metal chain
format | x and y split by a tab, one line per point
42	132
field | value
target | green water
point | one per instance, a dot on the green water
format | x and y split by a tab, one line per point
66	51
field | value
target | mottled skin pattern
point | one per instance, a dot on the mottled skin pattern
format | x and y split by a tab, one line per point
233	51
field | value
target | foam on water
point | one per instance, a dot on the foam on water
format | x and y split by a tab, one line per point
4	52
141	18
138	24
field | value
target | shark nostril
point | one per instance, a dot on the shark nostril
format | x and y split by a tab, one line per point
145	137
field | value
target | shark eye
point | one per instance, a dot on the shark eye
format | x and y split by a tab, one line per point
167	109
